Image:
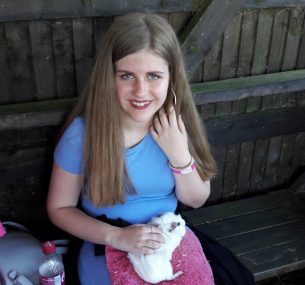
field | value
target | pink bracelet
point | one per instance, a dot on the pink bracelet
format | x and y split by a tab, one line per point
188	169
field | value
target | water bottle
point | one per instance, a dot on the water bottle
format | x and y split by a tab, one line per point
51	270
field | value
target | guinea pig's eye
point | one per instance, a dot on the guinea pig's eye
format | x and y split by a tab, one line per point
178	224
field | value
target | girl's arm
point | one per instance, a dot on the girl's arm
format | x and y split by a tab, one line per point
170	133
64	192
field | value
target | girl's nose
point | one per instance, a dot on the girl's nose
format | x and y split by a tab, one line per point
140	88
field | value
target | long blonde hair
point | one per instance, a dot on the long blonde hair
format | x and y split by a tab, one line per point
105	170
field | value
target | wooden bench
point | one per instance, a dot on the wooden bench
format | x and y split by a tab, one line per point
266	232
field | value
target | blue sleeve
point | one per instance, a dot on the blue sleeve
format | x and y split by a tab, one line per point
69	151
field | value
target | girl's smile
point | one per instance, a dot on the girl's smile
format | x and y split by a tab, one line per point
140	105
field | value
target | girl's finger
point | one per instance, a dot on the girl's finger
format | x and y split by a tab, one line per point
153	133
157	125
172	118
163	118
152	244
181	125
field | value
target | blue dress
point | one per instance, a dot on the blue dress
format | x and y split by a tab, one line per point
151	176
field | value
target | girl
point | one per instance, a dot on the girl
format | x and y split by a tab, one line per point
133	146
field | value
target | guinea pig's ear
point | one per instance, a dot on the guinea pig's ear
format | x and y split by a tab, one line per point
173	226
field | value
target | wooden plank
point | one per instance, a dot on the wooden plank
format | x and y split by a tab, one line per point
276	260
26	115
101	25
245	87
37	107
246	51
43	59
258	165
5	78
83	50
261	49
179	20
232	209
28	138
222	108
293	39
287	151
247	43
300	98
254	4
266	237
245	164
219	154
289	62
301	55
298	186
24	175
212	60
230	46
299	154
252	126
272	162
263	37
290	56
19	58
228	70
278	40
273	146
211	69
64	60
32	120
56	9
205	29
231	170
16	159
233	231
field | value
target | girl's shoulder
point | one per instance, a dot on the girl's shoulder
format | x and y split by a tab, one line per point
76	127
69	150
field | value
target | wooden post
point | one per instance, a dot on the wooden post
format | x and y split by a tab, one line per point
205	29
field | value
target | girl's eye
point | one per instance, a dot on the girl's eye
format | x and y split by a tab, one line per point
126	76
153	76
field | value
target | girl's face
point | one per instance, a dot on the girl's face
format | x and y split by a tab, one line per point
142	80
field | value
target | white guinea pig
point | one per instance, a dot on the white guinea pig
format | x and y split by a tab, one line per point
157	267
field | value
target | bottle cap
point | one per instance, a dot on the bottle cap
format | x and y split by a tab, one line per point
48	247
2	230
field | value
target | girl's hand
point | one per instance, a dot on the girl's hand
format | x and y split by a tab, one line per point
170	134
138	239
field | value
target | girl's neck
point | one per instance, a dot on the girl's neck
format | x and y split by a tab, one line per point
134	134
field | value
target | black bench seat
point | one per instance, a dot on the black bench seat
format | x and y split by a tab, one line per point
266	232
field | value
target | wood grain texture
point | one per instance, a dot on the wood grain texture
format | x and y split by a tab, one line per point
59	9
266	233
205	29
246	87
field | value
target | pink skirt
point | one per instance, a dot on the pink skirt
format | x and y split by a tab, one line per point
188	257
